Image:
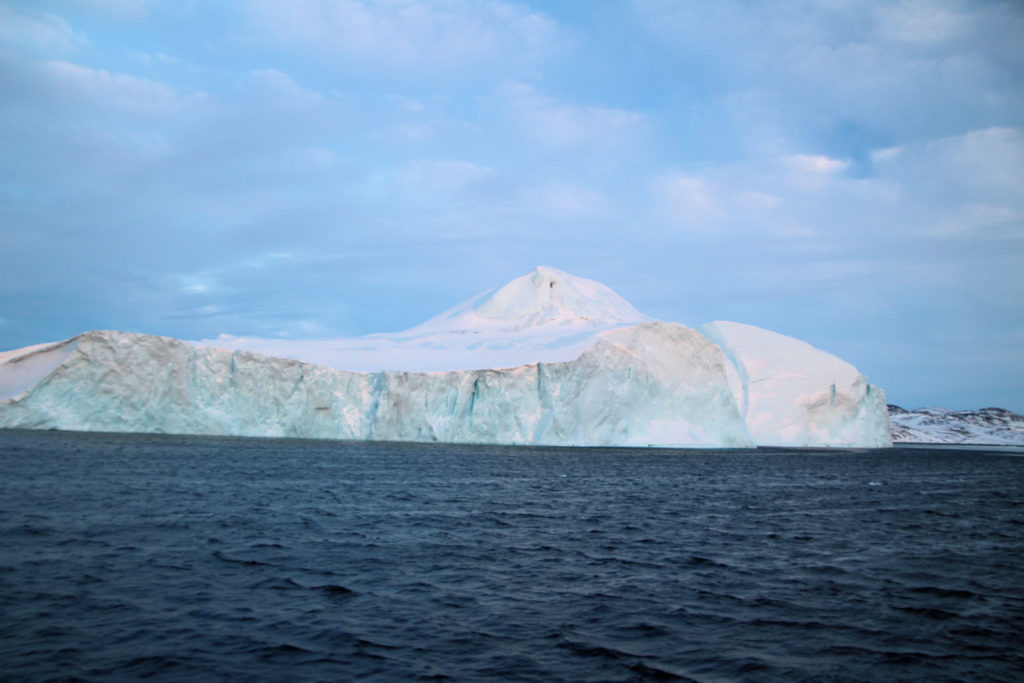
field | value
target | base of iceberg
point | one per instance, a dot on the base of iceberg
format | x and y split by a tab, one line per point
620	380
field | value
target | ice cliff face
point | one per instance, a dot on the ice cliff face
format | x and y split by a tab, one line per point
627	389
567	362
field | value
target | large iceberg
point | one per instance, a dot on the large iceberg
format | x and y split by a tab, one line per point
547	359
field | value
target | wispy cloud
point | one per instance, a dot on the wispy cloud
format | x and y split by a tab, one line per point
101	88
890	70
440	176
561	123
43	33
417	35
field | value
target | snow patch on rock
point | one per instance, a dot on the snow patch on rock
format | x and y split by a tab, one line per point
986	426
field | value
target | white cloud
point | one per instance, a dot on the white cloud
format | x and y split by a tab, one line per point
758	201
688	199
990	159
558	123
101	88
892	70
809	172
408	105
43	33
196	283
434	176
881	156
815	164
410	131
791	197
408	33
130	9
963	184
267	260
282	85
919	21
986	159
562	201
317	156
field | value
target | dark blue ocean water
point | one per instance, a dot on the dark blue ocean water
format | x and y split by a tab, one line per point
185	558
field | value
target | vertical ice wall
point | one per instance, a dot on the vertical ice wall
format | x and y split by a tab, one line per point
652	384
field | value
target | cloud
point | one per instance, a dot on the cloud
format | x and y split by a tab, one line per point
436	176
44	33
128	9
816	164
966	184
196	283
563	201
560	123
689	200
281	84
402	33
918	22
775	196
101	88
843	77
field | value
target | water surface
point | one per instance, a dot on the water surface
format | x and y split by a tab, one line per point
244	559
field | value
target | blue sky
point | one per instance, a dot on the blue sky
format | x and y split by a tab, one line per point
849	173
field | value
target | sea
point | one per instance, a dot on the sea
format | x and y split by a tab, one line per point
182	558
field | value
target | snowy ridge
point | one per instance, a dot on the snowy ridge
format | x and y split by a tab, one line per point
986	426
22	369
546	359
543	298
544	316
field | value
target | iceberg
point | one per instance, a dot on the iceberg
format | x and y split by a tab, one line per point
547	359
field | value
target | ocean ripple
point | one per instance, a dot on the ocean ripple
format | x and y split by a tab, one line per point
180	558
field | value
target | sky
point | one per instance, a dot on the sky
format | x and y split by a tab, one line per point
850	173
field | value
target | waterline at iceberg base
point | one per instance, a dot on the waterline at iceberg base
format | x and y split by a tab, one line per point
552	359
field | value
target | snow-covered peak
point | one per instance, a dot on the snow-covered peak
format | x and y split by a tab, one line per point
543	297
544	316
989	426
